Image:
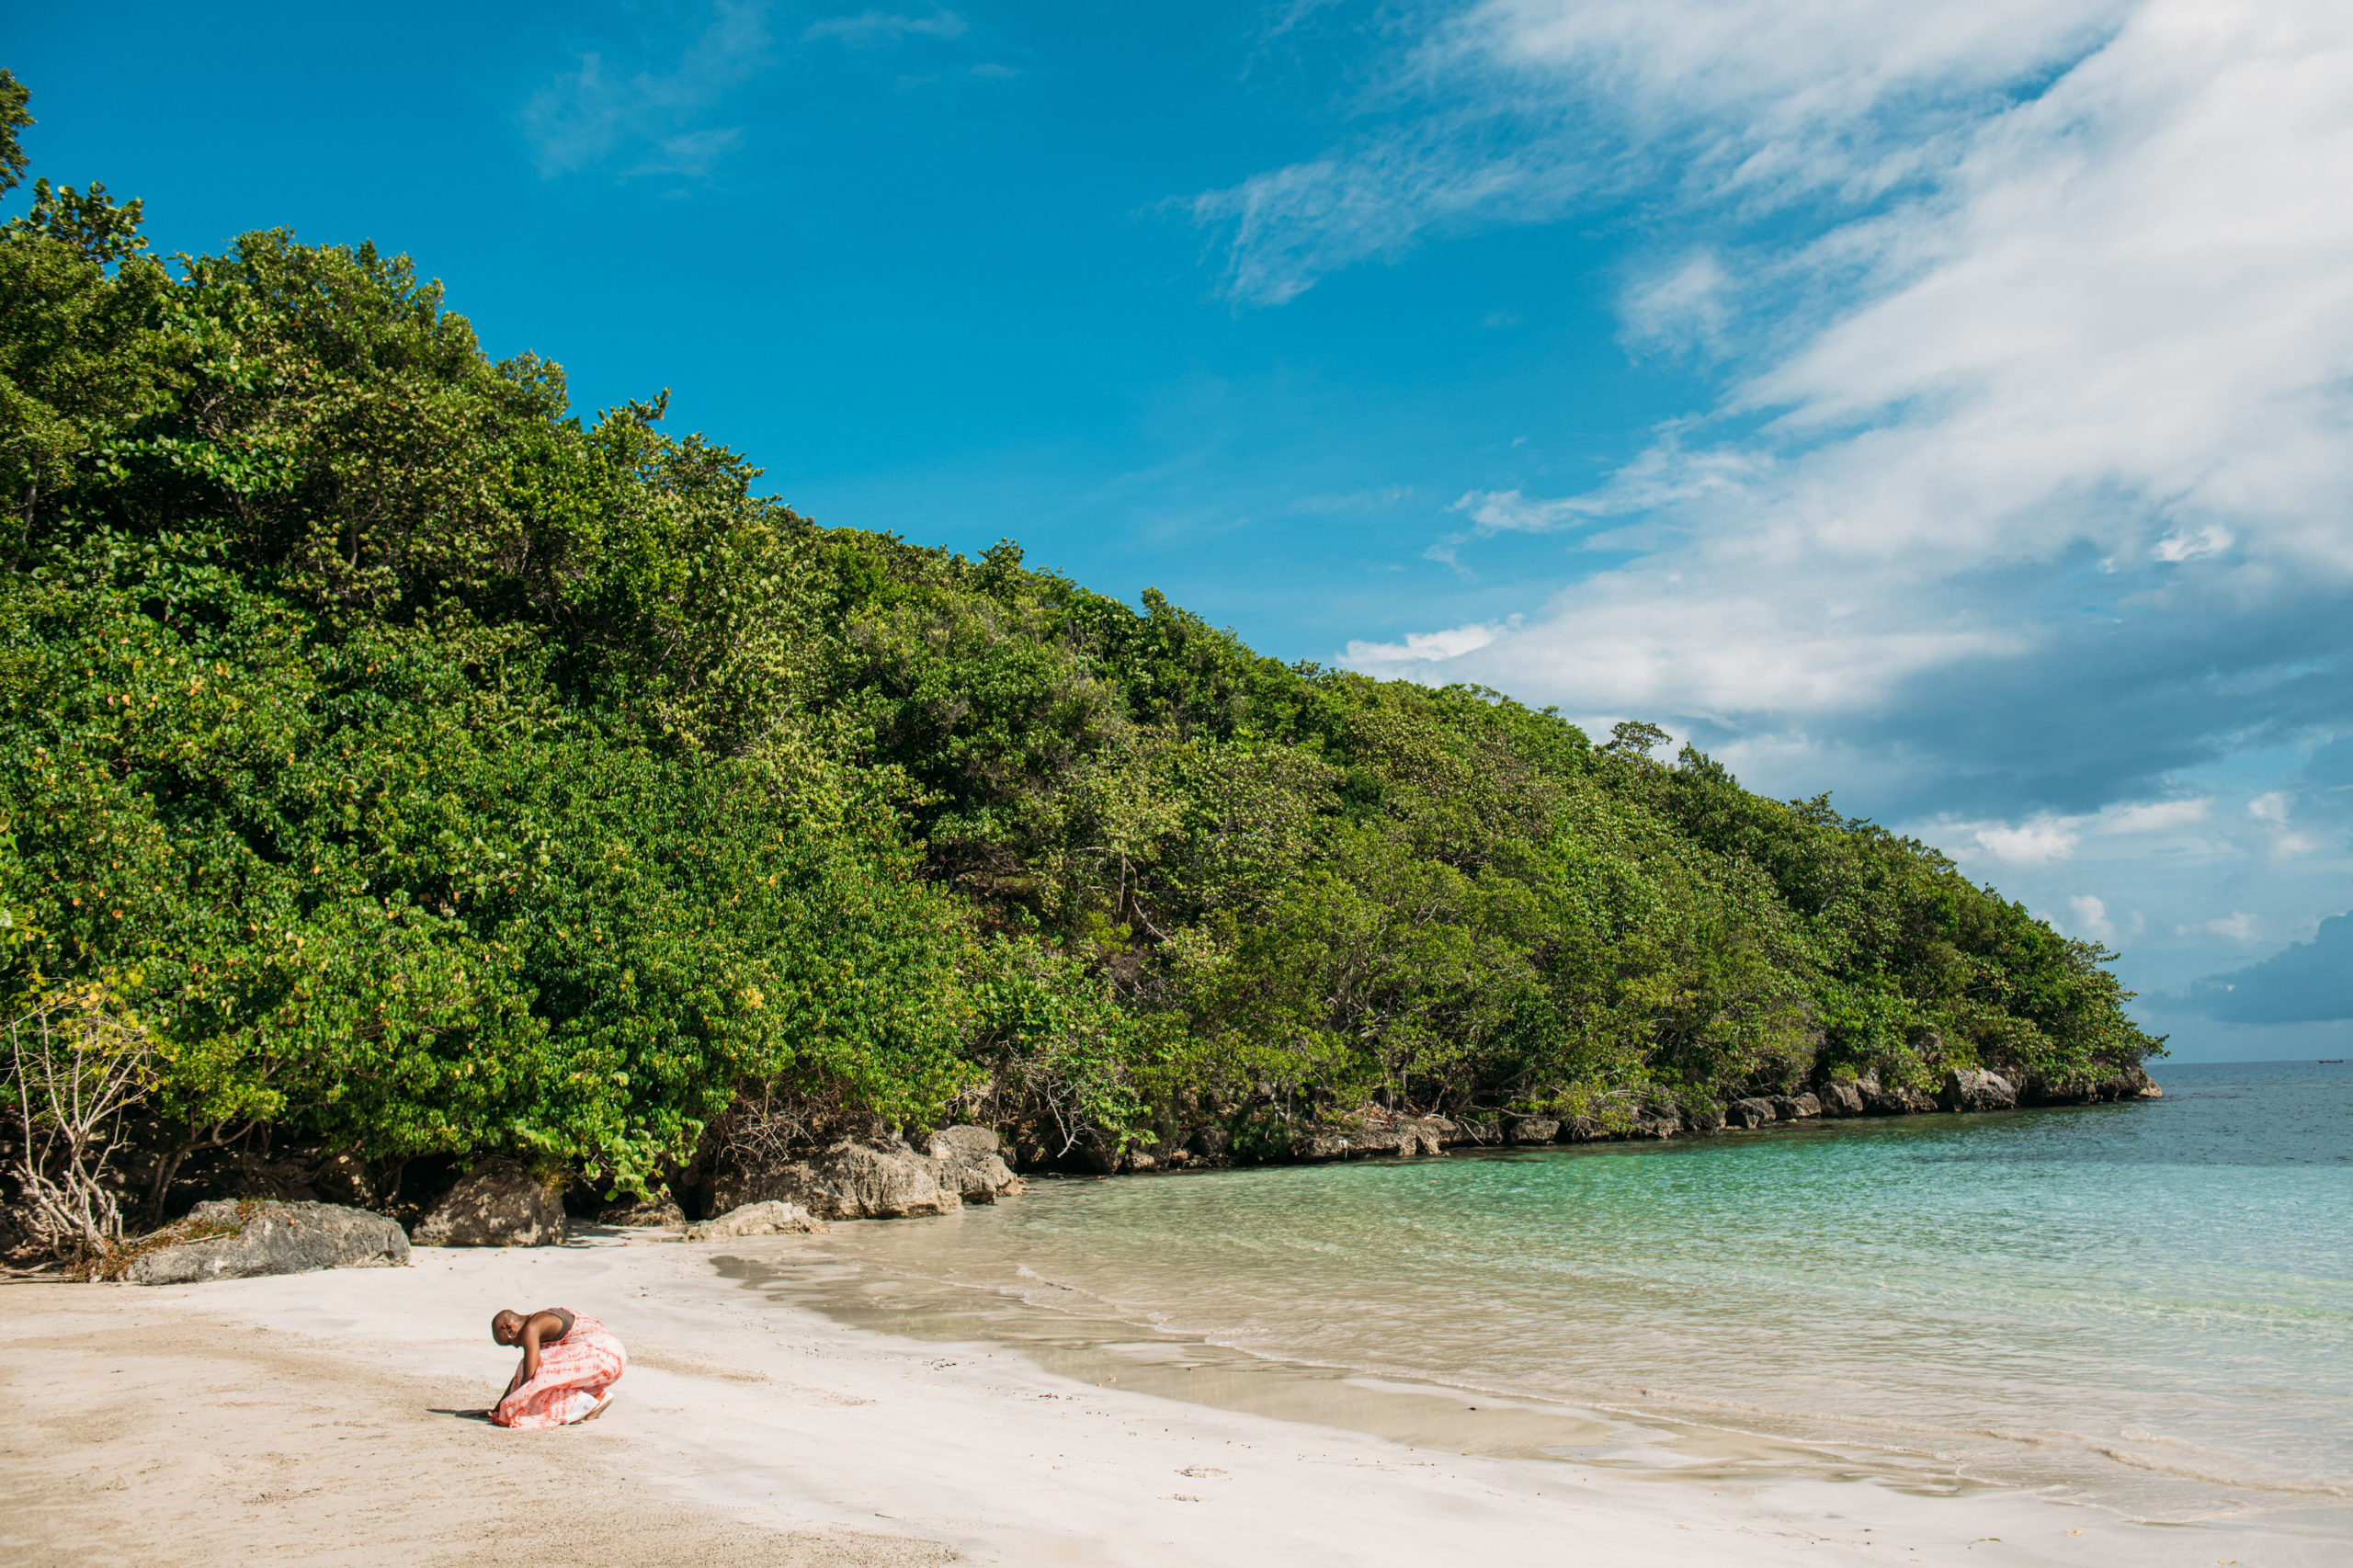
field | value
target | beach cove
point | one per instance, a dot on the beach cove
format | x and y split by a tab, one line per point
868	1397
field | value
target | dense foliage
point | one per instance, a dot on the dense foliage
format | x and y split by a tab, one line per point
429	770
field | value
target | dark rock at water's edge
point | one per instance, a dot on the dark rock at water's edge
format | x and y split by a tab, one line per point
1841	1098
771	1218
1533	1128
1402	1137
269	1238
856	1178
971	1159
1662	1121
644	1212
1899	1100
1755	1111
1972	1089
2132	1083
498	1204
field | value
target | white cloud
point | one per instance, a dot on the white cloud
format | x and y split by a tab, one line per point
2291	846
2035	843
1422	647
2091	919
2238	925
1519	109
886	27
2191	546
2066	287
2156	816
1685	307
2271	806
593	112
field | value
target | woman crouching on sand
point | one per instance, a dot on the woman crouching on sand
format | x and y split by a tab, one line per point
570	1363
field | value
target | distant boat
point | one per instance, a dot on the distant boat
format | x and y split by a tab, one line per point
2332	1062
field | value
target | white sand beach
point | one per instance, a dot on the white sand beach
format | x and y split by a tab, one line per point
311	1419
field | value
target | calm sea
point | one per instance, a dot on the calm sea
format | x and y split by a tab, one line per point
2148	1307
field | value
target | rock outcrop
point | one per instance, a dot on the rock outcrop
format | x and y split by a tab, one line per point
771	1218
1582	1129
1898	1100
1532	1129
972	1161
499	1204
1702	1119
1379	1130
853	1179
643	1213
2132	1083
1841	1098
1356	1143
1657	1121
251	1238
1754	1111
1972	1089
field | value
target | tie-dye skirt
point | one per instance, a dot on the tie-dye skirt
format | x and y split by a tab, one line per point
575	1374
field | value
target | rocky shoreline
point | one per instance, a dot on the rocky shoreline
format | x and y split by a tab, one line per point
500	1204
1375	1132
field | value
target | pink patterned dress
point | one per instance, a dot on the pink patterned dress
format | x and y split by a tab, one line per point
575	1374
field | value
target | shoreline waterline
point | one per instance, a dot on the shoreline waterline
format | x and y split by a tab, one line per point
2099	1331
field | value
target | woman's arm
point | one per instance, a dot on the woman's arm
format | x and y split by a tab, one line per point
533	1331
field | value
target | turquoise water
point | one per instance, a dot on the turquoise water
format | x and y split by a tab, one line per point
2145	1306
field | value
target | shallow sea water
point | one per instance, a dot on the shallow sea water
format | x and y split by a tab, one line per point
2144	1307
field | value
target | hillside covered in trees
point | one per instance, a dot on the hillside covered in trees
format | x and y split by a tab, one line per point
415	768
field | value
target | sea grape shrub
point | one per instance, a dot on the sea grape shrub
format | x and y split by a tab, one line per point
434	771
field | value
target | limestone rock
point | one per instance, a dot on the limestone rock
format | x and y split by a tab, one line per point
1970	1089
770	1219
1212	1142
971	1161
2131	1083
1582	1129
1352	1143
961	1139
499	1204
1898	1100
1379	1131
644	1212
1841	1098
1533	1129
853	1179
1796	1107
1657	1121
1755	1111
1702	1119
272	1238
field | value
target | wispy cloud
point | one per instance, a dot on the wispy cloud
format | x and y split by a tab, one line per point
1424	647
2239	926
1518	111
651	121
871	28
2027	467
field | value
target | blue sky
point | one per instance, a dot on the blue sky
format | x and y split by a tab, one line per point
1946	405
